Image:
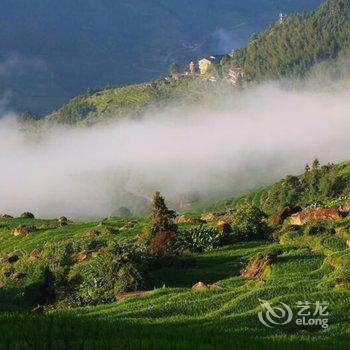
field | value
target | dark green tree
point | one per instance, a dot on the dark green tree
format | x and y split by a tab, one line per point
174	68
249	223
159	234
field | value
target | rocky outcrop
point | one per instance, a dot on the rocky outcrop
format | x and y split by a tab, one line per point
257	266
23	230
284	214
63	221
127	226
315	214
202	287
210	216
184	219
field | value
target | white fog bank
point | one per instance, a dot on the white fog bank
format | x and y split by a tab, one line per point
250	138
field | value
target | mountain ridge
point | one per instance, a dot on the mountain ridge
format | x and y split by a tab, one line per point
57	51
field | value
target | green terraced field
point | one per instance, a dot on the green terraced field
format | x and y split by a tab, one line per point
173	316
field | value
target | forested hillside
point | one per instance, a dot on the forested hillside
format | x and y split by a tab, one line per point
287	49
326	185
292	47
52	51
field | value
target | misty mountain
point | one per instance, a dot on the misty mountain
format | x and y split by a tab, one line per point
52	51
304	45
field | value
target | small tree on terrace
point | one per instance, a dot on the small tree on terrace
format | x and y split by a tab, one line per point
159	234
249	223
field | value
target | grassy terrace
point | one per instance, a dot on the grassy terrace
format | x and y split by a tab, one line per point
171	314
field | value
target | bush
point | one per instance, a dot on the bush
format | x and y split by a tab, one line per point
122	211
129	278
317	228
27	215
201	238
160	230
249	223
118	269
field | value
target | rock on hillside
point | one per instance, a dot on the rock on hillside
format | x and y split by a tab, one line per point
284	214
315	214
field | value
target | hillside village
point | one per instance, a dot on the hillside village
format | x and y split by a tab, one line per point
210	68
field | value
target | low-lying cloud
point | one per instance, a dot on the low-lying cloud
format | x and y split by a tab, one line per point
249	138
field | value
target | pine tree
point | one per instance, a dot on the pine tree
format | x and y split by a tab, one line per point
161	218
160	230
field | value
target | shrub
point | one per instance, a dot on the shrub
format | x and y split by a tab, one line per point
249	223
201	238
122	211
316	228
160	228
129	278
118	269
27	215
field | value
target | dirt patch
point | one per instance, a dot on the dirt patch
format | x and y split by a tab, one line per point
183	219
34	255
79	257
92	233
17	276
258	266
